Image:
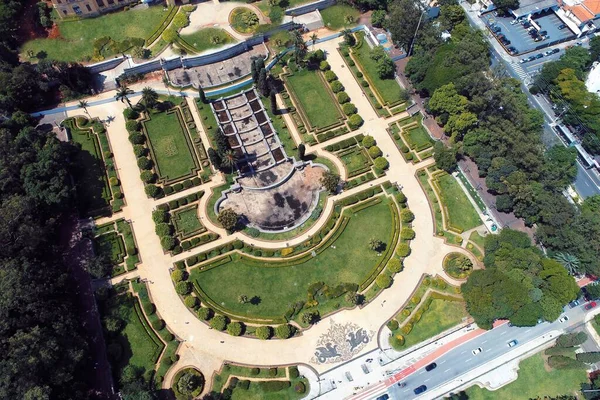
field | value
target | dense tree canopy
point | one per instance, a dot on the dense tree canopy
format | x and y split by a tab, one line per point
519	283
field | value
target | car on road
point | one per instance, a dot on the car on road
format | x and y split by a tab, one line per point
590	305
563	319
539	55
579	44
496	29
512	343
554	51
420	389
512	50
430	367
401	384
574	304
383	397
477	351
562	26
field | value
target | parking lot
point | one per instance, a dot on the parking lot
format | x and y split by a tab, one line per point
520	38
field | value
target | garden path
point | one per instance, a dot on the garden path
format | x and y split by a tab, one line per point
202	343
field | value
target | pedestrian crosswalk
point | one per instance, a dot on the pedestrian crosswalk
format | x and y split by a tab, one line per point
520	71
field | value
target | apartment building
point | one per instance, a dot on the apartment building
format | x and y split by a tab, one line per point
88	8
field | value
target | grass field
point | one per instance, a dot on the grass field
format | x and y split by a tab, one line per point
387	89
278	287
186	221
172	154
93	190
534	380
339	16
77	37
418	138
204	39
442	315
355	161
255	392
139	348
314	98
461	213
477	239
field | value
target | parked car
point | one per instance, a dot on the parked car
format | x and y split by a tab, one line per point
526	24
477	351
543	33
539	55
554	51
430	367
574	304
512	50
563	319
401	384
420	389
579	44
383	397
512	343
496	29
562	26
590	305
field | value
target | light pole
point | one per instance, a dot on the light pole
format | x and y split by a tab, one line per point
412	43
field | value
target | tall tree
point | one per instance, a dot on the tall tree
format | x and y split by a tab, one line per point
405	17
300	48
122	94
149	97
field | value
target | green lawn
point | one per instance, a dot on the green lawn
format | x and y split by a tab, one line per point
355	161
339	16
186	221
93	191
387	89
418	138
461	213
534	380
442	315
239	20
139	347
477	239
208	38
169	142
314	97
111	244
278	287
77	37
255	392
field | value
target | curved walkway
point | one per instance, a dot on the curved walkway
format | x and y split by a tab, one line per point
207	348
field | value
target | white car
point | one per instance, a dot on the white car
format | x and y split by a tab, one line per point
563	319
512	343
477	351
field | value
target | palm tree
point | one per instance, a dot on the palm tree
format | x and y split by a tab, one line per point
348	37
149	97
465	264
314	38
83	104
299	46
166	83
569	261
122	94
374	244
229	158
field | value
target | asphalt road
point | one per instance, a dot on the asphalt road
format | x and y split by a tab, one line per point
494	344
586	183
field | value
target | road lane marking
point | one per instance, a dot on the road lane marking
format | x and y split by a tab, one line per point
484	342
468	359
502	333
426	380
447	370
527	330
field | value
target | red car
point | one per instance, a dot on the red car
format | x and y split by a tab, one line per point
590	305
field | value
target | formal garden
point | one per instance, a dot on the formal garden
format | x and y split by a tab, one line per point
243	20
93	39
171	155
114	242
453	212
361	157
435	306
412	138
374	70
140	347
458	265
178	224
97	182
324	273
239	382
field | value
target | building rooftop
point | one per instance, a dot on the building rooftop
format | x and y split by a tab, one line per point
593	79
531	6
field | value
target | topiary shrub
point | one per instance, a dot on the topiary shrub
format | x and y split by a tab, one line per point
153	191
349	109
160	215
374	152
244	385
204	313
406	329
137	138
383	281
273	372
158	324
355	121
337	86
394	265
163	229
407	216
219	322
264	332
392	325
130	113
299	387
407	234
324	66
235	328
139	150
144	163
255	371
183	288
148	176
132	126
179	275
381	163
342	97
364	83
415	300
368	141
293	372
149	308
283	331
403	250
191	302
330	76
